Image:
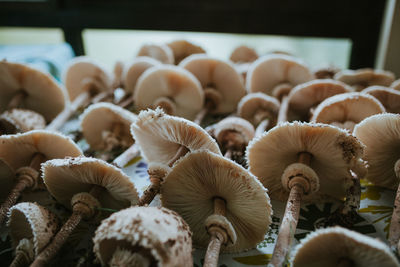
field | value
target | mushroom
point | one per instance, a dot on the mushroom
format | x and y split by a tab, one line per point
31	229
225	206
83	185
381	136
7	176
259	109
302	161
144	236
276	75
338	246
362	78
24	153
396	84
162	53
222	84
20	120
172	88
346	110
182	49
390	98
305	97
243	54
84	78
326	72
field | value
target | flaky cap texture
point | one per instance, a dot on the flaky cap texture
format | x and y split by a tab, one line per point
326	247
7	176
381	136
21	120
32	221
390	98
334	152
183	49
199	177
253	103
362	78
66	177
162	53
160	231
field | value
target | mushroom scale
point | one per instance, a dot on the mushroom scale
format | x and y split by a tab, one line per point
390	98
363	78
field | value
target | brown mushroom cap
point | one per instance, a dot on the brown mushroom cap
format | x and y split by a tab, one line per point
159	231
173	83
7	176
334	152
219	75
243	54
182	49
32	221
160	136
390	98
381	136
363	78
162	53
81	70
199	177
18	149
396	84
21	120
42	94
135	69
326	72
66	177
269	71
328	247
99	119
234	124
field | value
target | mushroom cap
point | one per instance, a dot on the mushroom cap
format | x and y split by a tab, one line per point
18	149
162	53
381	135
396	84
102	117
66	177
21	120
182	49
327	247
243	54
334	152
135	69
309	94
234	124
196	179
32	221
269	71
327	72
158	230
390	98
79	70
43	94
220	76
7	176
173	83
160	136
347	107
365	77
252	103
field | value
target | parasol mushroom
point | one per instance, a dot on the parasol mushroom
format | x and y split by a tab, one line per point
243	54
302	161
144	236
390	98
362	78
182	49
326	72
225	206
20	120
396	84
83	185
222	84
346	110
162	53
172	88
25	152
31	229
338	246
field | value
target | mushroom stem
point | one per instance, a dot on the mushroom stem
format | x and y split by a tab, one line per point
283	109
229	153
126	101
20	260
103	96
201	115
394	230
12	198
182	151
16	99
262	126
118	70
123	159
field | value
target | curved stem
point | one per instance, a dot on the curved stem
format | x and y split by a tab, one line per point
101	97
149	194
12	198
126	156
20	259
126	101
201	115
182	151
262	127
16	99
283	109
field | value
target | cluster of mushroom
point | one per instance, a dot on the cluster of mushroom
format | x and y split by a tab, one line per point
305	136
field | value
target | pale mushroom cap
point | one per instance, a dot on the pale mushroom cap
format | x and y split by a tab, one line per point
365	77
390	98
44	95
347	107
66	177
22	120
80	69
219	75
135	69
183	49
18	149
243	54
199	177
102	117
161	231
396	84
160	136
7	177
271	70
32	221
381	136
326	247
162	53
252	103
334	152
174	83
235	124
